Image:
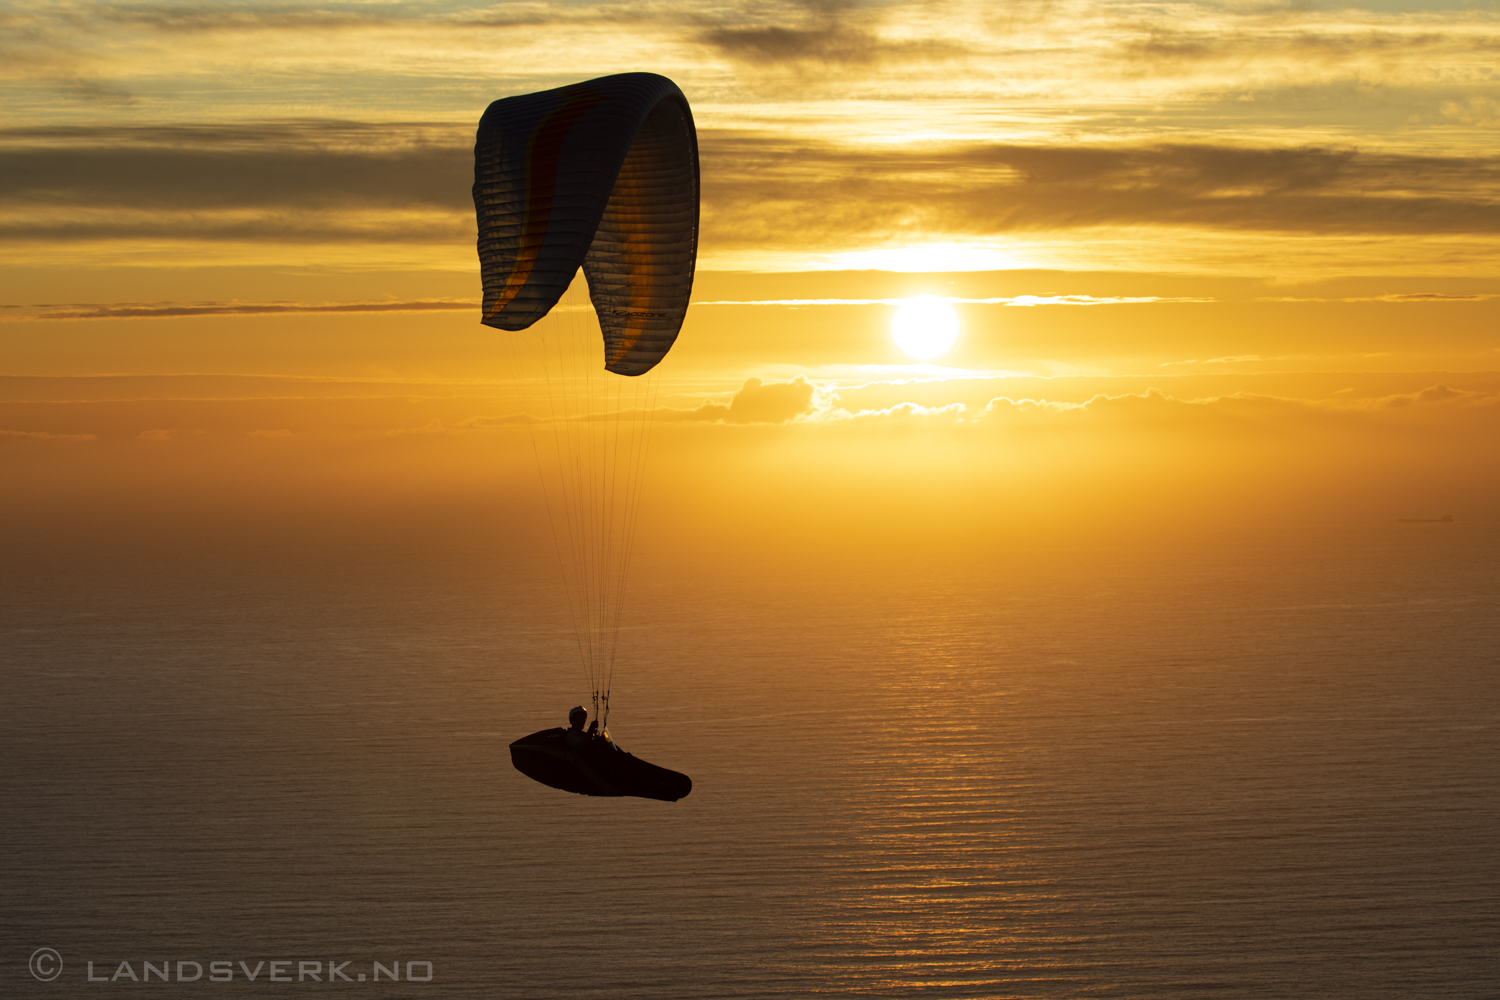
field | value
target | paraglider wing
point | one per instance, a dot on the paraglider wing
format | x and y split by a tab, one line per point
603	175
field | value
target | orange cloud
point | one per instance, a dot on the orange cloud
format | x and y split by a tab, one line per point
44	436
756	402
1242	411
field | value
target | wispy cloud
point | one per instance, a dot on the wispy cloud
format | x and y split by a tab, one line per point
773	185
242	17
133	310
1436	410
291	183
43	436
1002	300
1392	297
297	183
309	182
829	43
1226	360
806	403
904	413
1479	110
1426	297
1322	44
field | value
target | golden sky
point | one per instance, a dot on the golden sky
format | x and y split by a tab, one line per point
1218	252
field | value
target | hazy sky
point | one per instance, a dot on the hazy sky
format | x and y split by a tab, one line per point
255	219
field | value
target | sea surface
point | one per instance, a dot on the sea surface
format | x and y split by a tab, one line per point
1239	765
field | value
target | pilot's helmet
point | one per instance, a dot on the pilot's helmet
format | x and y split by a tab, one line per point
576	711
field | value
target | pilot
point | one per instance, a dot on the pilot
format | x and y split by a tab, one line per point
576	718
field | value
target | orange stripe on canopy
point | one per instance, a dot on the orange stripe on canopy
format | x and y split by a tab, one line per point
543	152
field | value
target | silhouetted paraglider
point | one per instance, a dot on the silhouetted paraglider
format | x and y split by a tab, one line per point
602	176
589	763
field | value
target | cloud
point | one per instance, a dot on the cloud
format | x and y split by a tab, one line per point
1093	44
190	17
131	310
760	402
295	134
272	227
1436	394
494	423
1011	300
904	413
1163	45
817	37
295	17
1152	407
7	435
468	425
1427	297
1154	410
1392	297
206	178
804	403
293	182
756	402
1238	412
305	181
96	92
766	189
433	426
1479	110
1226	360
827	44
1092	300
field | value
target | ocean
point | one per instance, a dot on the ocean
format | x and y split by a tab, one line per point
1241	763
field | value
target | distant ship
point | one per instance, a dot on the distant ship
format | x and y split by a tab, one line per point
1445	519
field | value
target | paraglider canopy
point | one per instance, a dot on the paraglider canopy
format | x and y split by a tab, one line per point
603	175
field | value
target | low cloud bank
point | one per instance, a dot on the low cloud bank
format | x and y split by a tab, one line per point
44	436
1442	409
803	402
756	402
1239	410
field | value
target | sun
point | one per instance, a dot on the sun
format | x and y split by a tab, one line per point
925	327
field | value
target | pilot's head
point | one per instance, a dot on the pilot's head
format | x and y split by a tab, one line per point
578	716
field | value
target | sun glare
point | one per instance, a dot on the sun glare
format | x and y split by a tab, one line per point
925	327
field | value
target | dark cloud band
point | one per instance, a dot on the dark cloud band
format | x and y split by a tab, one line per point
304	182
175	311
